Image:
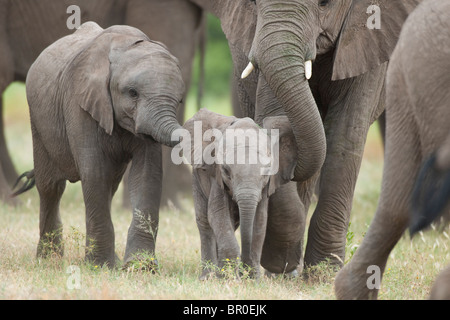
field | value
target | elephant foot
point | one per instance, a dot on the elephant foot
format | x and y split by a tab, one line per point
142	262
353	284
290	275
317	256
101	261
206	275
50	245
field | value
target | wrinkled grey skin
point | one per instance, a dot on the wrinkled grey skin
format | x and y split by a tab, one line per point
27	27
330	119
229	195
417	115
99	98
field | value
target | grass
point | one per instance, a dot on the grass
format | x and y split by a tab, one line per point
411	269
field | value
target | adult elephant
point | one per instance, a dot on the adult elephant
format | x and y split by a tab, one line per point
28	26
331	113
417	115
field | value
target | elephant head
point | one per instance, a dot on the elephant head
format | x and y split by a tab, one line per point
289	35
248	180
123	78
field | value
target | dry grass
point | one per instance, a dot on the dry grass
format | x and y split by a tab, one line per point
411	269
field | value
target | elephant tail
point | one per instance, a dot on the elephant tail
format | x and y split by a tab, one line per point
29	183
431	194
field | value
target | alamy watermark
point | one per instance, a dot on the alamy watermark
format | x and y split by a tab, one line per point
374	280
74	20
233	146
374	20
74	279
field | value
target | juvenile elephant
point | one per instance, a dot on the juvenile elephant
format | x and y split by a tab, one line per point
417	117
229	192
99	98
27	27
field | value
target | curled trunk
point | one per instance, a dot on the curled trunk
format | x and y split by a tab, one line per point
282	45
158	121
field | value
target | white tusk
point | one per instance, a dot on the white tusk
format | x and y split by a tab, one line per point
247	70
308	69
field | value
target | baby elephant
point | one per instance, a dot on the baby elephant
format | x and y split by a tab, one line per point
99	98
237	166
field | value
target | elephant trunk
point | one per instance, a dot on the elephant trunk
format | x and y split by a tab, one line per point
283	44
247	200
158	120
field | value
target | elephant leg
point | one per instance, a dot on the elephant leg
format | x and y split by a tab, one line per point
50	225
8	174
259	235
347	122
100	178
220	220
50	185
392	216
5	190
208	247
6	163
283	245
98	192
208	243
145	181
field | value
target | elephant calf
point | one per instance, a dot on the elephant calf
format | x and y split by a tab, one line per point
231	190
99	98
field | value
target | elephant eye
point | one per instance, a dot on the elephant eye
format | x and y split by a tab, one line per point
133	93
323	3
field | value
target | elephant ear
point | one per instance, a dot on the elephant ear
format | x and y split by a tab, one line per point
238	22
287	151
89	78
202	121
361	46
